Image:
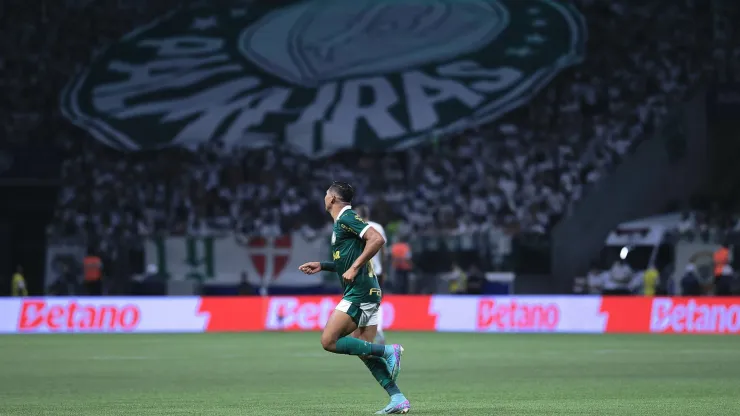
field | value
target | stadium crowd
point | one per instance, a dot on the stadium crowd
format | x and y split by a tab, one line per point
521	172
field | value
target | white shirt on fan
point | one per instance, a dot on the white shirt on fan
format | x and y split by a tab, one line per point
377	264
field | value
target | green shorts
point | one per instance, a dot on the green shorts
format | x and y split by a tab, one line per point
363	314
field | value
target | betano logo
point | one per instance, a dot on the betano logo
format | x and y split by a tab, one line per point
513	315
323	75
37	315
291	313
694	316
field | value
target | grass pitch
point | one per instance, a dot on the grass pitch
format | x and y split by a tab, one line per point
442	374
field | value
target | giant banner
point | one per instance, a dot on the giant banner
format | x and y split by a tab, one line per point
224	259
323	75
489	314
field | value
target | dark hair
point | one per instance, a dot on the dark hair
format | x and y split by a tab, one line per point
363	211
343	190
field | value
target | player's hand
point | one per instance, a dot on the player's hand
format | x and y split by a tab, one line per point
310	267
350	274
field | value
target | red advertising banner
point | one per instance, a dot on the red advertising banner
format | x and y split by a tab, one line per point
444	313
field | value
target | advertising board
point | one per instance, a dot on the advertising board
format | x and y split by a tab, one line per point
444	313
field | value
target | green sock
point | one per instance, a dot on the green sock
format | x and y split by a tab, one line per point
354	346
379	370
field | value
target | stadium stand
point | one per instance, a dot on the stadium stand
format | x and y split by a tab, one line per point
519	173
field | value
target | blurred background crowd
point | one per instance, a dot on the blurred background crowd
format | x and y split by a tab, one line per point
521	173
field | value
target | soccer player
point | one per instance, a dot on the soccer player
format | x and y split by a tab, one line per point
352	326
377	261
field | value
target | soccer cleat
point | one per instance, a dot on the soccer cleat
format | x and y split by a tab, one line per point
399	405
393	359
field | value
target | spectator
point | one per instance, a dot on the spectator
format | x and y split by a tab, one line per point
724	281
580	285
402	266
458	280
18	287
66	283
93	274
721	259
650	281
691	283
476	281
595	280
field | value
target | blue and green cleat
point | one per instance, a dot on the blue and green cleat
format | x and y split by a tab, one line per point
392	357
399	405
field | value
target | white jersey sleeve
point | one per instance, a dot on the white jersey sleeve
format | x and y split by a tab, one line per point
377	264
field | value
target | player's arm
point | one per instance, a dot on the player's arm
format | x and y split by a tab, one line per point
317	266
373	243
328	266
19	287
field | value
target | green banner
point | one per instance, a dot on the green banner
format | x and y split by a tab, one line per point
323	75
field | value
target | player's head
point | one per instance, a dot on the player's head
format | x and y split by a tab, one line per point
363	211
339	193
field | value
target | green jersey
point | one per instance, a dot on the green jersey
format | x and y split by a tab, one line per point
346	246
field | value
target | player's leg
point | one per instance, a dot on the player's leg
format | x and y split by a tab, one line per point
379	368
342	322
377	365
369	318
380	336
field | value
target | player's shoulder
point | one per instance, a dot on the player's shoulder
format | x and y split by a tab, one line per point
351	216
